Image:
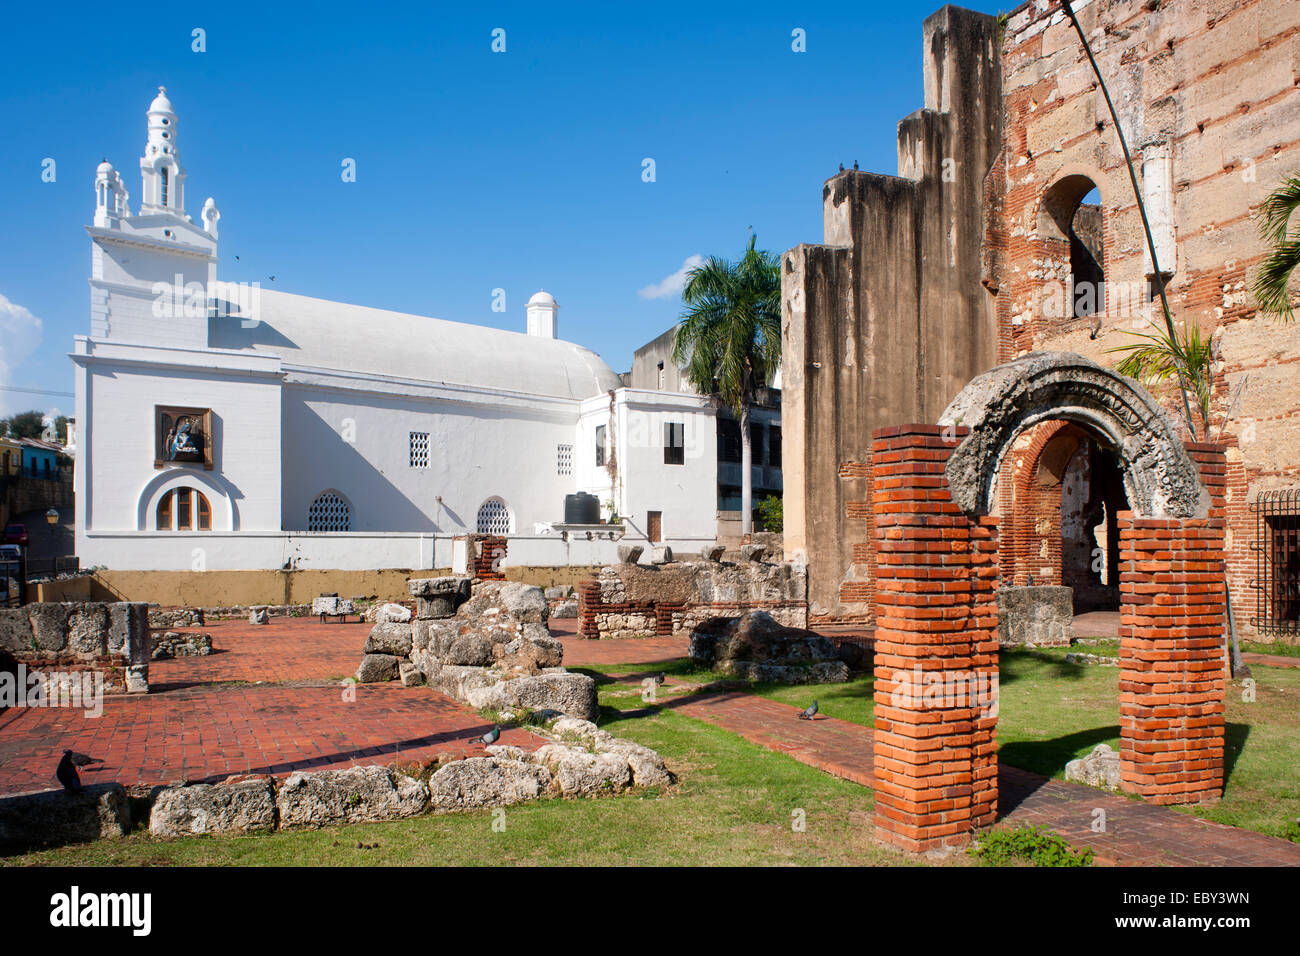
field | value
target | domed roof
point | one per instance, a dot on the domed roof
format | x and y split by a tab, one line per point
317	333
542	297
104	168
160	102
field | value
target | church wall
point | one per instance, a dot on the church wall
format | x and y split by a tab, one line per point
117	444
358	443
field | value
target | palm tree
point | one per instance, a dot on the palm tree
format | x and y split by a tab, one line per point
1160	357
1274	224
729	340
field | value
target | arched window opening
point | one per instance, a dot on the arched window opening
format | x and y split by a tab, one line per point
1071	225
329	512
164	187
183	509
493	517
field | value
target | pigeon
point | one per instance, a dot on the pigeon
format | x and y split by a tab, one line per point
83	760
841	167
855	164
1094	326
491	737
810	712
66	772
660	678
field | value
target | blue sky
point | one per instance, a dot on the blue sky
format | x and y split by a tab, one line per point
475	170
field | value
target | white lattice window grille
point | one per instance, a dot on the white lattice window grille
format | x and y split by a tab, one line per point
419	449
329	512
564	459
494	517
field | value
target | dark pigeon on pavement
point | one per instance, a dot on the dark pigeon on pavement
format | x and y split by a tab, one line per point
660	678
810	713
66	772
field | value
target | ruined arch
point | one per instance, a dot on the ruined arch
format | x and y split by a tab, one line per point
1160	478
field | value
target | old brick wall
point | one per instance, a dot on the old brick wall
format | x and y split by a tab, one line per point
1213	84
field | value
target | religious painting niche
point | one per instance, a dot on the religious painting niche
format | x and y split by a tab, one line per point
182	436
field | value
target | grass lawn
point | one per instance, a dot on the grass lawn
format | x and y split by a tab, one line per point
732	805
1050	712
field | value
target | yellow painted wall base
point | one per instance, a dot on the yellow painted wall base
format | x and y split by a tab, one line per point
230	588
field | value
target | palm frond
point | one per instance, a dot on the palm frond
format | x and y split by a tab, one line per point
1272	282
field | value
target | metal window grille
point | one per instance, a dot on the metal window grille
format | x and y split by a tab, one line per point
564	459
493	517
419	449
329	512
1277	562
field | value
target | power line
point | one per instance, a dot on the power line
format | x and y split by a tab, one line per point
35	391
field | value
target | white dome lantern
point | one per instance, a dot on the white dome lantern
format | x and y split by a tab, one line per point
542	311
160	166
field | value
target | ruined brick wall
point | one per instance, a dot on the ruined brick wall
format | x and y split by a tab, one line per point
1207	93
887	320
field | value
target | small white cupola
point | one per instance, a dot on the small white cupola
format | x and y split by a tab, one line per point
542	311
110	197
160	166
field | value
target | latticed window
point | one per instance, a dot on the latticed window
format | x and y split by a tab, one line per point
419	449
329	512
1277	549
493	517
564	459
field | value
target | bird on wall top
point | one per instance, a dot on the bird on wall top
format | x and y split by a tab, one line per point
855	164
810	713
66	773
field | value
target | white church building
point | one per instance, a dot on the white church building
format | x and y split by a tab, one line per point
227	426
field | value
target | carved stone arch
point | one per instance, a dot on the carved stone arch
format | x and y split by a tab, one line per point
1159	476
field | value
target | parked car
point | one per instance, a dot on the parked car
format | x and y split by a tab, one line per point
16	534
10	552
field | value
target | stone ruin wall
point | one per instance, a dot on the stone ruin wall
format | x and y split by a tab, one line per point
74	637
630	600
1215	85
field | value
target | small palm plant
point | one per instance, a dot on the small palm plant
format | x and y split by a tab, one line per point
729	340
1274	275
1160	357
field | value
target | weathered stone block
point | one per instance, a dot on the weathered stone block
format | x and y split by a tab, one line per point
377	667
486	782
1099	769
389	639
49	625
16	630
354	795
1042	615
57	818
244	806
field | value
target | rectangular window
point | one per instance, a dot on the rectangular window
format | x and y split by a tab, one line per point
728	440
774	446
756	443
183	509
600	446
674	443
564	459
419	449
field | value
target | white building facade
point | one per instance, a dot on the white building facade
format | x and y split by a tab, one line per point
223	426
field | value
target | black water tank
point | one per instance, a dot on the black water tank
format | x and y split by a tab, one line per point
581	508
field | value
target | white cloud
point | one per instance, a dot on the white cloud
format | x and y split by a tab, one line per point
20	334
671	285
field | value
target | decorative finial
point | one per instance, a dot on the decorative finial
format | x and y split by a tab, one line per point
162	89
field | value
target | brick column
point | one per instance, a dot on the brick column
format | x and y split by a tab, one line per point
588	603
1171	680
936	662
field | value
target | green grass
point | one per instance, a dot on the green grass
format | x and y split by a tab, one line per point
732	805
1050	712
1277	649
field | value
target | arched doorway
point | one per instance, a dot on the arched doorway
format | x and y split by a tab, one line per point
936	551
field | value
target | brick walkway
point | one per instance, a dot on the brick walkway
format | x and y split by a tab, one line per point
269	701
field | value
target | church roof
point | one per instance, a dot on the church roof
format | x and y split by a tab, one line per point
318	333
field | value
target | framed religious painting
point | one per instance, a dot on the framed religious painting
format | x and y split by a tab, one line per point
182	436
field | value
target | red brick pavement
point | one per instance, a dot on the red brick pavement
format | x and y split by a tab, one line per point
268	701
286	649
